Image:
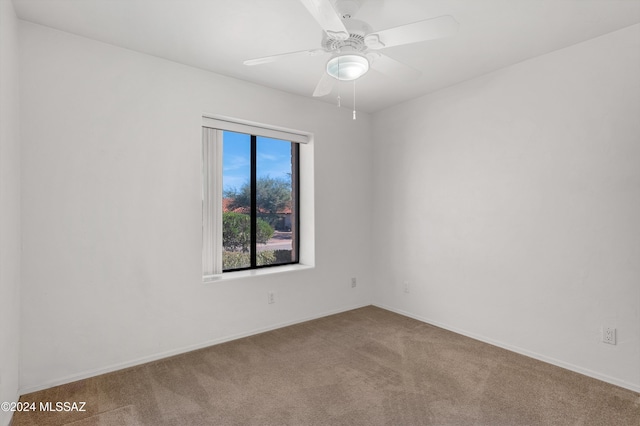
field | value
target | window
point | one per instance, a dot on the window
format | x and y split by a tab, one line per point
251	197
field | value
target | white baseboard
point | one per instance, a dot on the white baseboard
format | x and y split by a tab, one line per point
138	361
166	354
603	377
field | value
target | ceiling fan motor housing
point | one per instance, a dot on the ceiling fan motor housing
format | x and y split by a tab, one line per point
355	43
349	61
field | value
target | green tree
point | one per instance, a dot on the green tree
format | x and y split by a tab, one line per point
264	231
273	195
236	231
236	234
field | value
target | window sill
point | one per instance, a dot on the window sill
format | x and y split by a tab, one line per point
254	273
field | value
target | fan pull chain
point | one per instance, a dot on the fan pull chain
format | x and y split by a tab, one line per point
354	99
339	101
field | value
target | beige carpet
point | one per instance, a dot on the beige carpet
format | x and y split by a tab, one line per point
363	367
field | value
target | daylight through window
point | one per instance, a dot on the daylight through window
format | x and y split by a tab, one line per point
251	198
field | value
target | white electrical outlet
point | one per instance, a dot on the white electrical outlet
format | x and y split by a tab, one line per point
609	335
406	287
353	282
271	297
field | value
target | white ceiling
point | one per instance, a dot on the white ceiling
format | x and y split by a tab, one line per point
218	35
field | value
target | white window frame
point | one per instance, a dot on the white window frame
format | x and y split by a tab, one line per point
212	143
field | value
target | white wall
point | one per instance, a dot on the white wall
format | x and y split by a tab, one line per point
511	202
9	208
112	209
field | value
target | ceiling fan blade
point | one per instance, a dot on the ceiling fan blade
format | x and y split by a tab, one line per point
429	29
329	20
268	59
324	87
389	66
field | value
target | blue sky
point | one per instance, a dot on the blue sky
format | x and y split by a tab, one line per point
274	159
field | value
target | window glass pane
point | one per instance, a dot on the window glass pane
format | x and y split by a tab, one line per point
236	201
276	227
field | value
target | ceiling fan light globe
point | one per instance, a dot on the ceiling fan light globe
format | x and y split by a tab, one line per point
347	67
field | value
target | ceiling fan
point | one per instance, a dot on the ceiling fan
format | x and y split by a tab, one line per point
354	46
